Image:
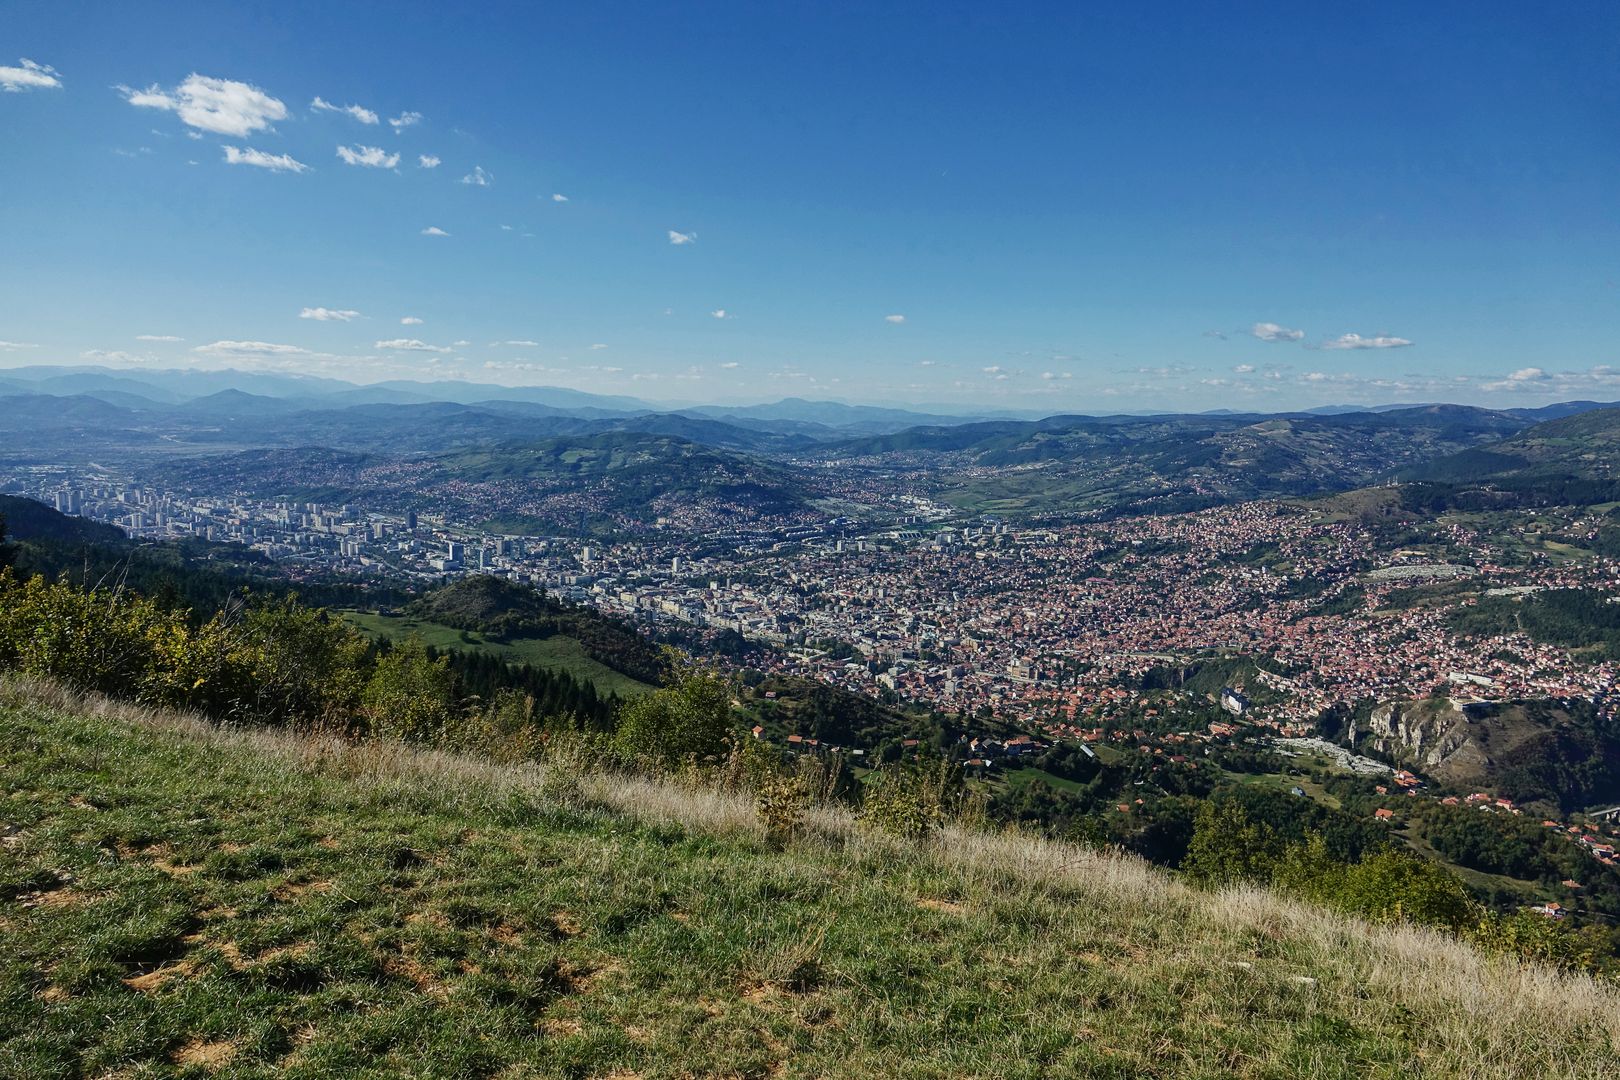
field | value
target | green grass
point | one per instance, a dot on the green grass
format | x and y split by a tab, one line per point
1018	779
176	899
558	652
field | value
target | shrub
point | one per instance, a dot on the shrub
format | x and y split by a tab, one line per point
410	695
687	721
912	801
1533	936
1228	846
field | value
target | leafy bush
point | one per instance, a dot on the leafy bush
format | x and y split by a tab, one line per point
690	720
913	800
410	695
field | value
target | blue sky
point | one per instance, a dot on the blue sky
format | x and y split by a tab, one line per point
1060	208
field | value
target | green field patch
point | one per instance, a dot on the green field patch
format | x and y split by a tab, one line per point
556	653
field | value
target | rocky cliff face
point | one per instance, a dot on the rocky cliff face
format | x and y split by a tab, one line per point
1432	735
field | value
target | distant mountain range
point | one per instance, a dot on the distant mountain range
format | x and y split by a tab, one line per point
550	457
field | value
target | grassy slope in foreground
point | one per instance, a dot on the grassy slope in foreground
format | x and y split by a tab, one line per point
178	897
553	653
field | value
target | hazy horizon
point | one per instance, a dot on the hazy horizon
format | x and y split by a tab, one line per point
1050	210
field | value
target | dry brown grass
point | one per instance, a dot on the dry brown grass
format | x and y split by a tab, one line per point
1482	1015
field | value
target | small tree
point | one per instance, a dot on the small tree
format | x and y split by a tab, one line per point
688	720
410	695
1228	846
1393	886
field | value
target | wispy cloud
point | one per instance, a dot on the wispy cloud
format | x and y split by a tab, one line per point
410	320
359	112
262	160
434	230
1356	341
679	238
371	157
320	314
729	365
222	106
405	120
1243	369
559	198
157	337
427	161
1270	331
519	344
235	350
410	345
28	76
478	177
895	319
14	346
720	313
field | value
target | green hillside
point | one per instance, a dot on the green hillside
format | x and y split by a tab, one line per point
558	652
178	899
1573	459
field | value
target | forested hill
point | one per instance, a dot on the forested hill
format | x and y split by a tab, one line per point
26	519
1571	460
505	609
190	573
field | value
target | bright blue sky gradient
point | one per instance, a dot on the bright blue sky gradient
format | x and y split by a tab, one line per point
1073	209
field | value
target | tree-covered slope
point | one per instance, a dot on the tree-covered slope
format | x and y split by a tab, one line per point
1573	459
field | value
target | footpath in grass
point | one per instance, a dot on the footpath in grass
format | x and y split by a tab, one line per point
178	904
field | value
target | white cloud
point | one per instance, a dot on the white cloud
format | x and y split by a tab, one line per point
427	161
405	120
729	365
434	230
235	350
372	157
559	198
410	345
895	319
1052	375
1243	369
28	76
223	106
993	369
1356	341
927	363
719	313
273	162
1270	331
13	346
598	345
478	177
410	320
157	337
679	238
114	356
320	314
359	112
515	344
